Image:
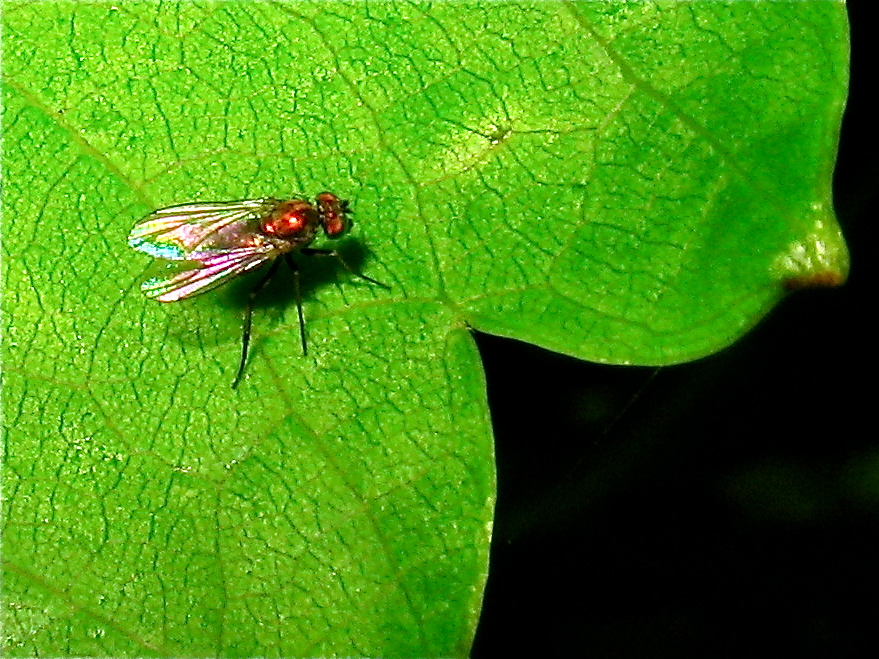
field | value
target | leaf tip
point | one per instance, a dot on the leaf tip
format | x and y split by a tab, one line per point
825	279
817	259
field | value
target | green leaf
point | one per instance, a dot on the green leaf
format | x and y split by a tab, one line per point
623	182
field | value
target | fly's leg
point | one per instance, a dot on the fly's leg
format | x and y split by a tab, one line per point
248	314
291	262
331	252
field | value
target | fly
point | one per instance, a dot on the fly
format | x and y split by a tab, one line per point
209	243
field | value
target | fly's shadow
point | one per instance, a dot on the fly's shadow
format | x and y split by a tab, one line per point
295	277
315	272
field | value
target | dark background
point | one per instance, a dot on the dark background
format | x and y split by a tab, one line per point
724	508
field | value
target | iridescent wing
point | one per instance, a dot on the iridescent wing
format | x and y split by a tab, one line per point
206	243
199	231
183	279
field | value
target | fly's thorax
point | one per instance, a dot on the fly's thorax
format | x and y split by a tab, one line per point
295	220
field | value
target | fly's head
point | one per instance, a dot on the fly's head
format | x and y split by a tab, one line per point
335	215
